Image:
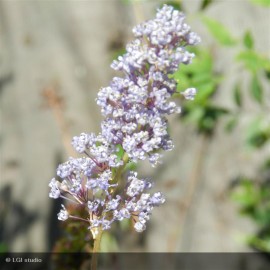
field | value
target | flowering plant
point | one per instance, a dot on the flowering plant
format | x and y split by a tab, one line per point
134	128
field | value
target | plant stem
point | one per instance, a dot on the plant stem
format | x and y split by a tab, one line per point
116	178
96	249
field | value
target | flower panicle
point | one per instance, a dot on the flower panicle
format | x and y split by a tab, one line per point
135	110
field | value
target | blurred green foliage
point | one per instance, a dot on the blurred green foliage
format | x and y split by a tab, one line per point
202	75
253	198
219	32
202	112
252	195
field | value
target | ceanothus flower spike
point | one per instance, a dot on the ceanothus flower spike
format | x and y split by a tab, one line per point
135	127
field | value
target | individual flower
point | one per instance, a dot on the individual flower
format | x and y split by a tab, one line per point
189	93
55	192
63	214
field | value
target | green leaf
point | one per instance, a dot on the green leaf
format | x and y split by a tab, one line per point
248	40
260	244
205	91
175	4
202	64
265	3
117	53
254	61
257	140
246	195
267	74
258	133
131	166
199	75
182	81
205	4
219	32
120	152
200	78
237	95
256	89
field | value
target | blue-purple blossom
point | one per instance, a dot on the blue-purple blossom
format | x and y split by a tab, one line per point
63	214
135	109
55	192
94	205
139	227
189	93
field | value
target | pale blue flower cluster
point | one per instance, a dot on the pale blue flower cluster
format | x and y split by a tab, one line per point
135	110
136	106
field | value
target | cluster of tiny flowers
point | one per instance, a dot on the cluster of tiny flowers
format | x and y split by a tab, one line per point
135	110
103	205
136	106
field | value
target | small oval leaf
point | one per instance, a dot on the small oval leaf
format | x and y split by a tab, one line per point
219	32
248	40
256	89
237	95
205	4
